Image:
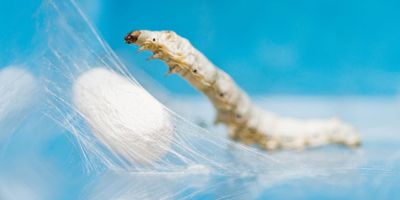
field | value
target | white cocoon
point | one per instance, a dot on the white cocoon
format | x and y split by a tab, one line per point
122	115
18	89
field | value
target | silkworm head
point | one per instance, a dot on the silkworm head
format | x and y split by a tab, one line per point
132	37
142	37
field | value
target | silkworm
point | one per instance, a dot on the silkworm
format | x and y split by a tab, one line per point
245	122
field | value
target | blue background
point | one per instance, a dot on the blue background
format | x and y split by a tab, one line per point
273	47
344	47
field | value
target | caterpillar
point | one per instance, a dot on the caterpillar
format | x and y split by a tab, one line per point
245	122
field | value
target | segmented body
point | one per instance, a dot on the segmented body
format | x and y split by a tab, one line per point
245	122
